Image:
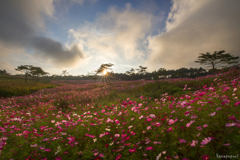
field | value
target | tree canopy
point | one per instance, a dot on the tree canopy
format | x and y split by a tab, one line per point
217	59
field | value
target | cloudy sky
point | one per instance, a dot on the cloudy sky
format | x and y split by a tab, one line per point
80	35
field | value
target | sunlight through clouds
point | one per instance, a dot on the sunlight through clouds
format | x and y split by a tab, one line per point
115	34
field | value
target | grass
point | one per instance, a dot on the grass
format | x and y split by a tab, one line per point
165	119
16	86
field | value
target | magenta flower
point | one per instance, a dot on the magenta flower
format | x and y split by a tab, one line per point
149	119
205	125
170	129
132	133
118	157
132	150
237	103
182	141
58	158
101	155
47	150
232	118
205	157
149	148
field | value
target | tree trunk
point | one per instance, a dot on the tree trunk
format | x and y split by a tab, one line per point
26	77
213	66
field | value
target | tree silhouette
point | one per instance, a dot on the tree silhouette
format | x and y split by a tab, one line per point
24	68
37	71
102	68
217	59
64	73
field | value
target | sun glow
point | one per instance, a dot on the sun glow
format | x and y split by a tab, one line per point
105	72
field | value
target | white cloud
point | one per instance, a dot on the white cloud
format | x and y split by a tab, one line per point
195	27
115	34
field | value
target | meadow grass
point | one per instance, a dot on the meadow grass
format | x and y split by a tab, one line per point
16	86
164	119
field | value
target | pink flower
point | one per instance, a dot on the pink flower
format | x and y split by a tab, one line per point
199	128
117	121
132	150
228	144
237	103
47	150
206	141
35	145
101	155
205	157
194	143
182	141
149	148
170	129
205	125
149	127
149	119
230	124
124	135
117	135
46	139
118	157
132	133
212	114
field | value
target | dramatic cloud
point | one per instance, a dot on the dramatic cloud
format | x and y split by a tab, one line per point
195	27
20	24
115	34
51	49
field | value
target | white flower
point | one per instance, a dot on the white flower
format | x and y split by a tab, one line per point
130	127
164	152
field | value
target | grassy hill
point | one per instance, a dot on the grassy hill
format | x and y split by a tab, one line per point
166	119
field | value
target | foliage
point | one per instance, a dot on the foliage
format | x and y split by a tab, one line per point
218	58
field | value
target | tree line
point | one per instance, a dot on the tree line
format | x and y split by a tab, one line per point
215	61
30	70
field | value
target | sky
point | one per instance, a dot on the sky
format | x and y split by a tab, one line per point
80	35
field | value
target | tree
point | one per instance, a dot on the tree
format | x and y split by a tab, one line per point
142	70
104	67
3	72
36	71
64	73
217	59
24	68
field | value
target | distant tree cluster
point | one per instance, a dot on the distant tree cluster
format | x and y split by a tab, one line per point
3	72
30	70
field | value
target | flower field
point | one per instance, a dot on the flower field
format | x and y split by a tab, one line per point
120	121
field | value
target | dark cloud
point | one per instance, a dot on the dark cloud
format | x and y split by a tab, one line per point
21	21
51	49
